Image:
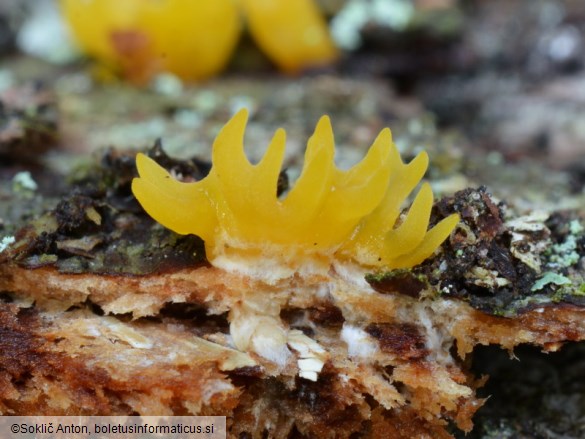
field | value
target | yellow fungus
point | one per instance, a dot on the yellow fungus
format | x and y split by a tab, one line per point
292	33
195	39
328	213
192	39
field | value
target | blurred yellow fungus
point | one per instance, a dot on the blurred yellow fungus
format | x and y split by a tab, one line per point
328	214
292	33
191	39
195	39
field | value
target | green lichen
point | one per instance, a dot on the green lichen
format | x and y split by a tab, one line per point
24	185
5	242
550	278
564	254
575	227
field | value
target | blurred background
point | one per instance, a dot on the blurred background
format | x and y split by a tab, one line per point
493	90
506	73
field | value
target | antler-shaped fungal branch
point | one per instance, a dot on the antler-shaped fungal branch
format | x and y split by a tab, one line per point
328	213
